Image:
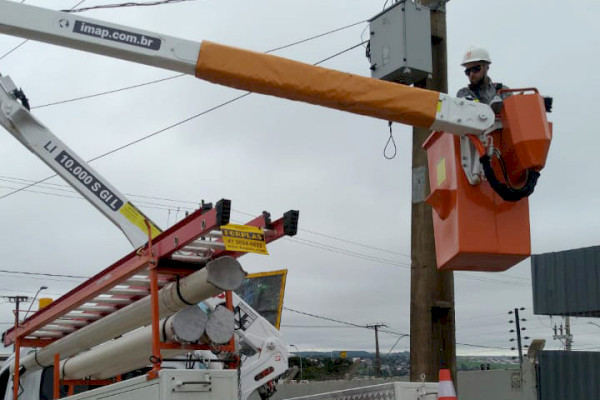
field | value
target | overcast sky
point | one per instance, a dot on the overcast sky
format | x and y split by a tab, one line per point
350	260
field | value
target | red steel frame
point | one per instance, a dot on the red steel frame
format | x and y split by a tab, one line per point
189	229
195	225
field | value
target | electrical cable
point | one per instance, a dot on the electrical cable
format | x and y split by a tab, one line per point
129	4
108	92
181	122
484	347
181	75
340	53
322	246
316	36
27	40
334	237
397	333
136	141
390	352
321	326
13	49
346	252
392	142
525	281
326	318
306	242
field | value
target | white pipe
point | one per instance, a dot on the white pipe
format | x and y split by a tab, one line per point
224	273
133	350
219	327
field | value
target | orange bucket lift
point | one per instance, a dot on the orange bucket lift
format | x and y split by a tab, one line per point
480	187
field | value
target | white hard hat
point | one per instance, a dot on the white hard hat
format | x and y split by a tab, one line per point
476	53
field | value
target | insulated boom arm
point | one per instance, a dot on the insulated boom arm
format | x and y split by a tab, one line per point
246	70
15	118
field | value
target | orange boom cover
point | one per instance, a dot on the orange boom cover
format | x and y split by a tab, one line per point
276	76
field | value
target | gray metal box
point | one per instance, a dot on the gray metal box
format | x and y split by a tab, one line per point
400	43
567	282
571	375
498	384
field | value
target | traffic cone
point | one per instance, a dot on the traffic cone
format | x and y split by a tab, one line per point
445	386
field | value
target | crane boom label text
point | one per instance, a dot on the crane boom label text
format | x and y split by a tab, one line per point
87	179
117	35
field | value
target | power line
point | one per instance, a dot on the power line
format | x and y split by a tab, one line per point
354	243
130	4
14	48
136	141
181	75
483	347
306	242
392	348
338	250
339	239
326	318
181	122
347	324
316	36
482	279
27	40
389	331
341	52
109	92
320	326
7	271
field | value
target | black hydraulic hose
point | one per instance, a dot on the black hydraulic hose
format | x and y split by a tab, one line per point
506	192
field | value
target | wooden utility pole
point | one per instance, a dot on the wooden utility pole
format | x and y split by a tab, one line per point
377	355
432	323
17	300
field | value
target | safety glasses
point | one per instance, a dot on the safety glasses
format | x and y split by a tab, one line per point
475	69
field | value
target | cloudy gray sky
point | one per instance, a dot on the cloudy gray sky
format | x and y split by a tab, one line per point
350	260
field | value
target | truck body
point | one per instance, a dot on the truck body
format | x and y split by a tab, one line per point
171	384
383	391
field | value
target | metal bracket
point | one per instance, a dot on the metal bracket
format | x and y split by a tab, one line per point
439	5
7	87
469	158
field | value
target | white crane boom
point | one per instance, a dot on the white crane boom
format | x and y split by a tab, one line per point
246	70
65	162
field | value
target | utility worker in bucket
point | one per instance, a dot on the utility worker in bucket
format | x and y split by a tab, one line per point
481	88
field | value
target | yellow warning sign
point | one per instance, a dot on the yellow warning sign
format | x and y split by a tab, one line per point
343	354
245	238
136	217
441	171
